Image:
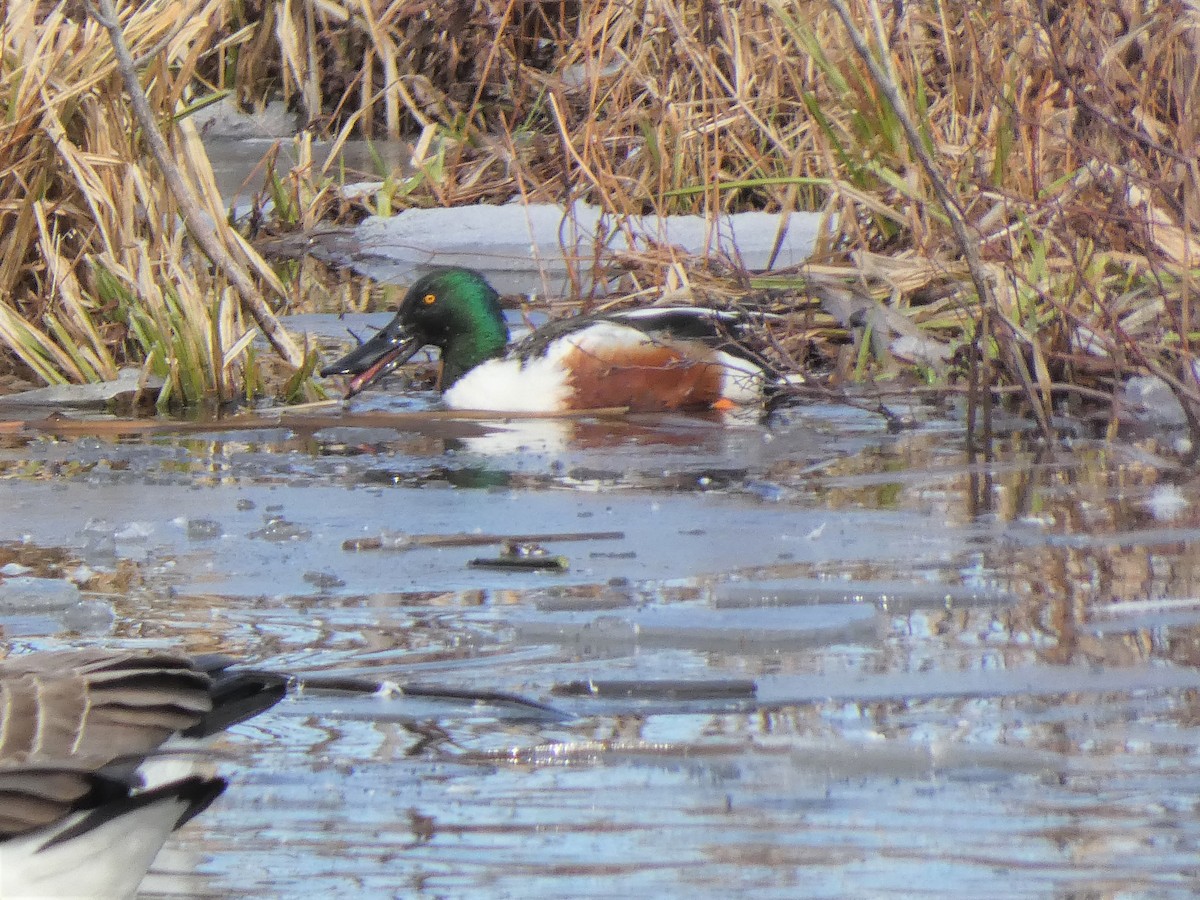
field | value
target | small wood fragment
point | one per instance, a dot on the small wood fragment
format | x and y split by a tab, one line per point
545	563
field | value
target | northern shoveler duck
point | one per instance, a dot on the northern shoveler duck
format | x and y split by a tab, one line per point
645	360
74	729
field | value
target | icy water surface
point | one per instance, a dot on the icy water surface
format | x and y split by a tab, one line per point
809	658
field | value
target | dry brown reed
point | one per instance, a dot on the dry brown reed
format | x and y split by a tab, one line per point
95	270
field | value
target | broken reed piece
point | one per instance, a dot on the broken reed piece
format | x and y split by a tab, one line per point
68	426
671	689
384	689
397	540
534	563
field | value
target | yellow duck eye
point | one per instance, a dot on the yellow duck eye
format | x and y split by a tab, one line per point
429	299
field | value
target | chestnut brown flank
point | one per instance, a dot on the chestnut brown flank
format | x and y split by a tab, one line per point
649	378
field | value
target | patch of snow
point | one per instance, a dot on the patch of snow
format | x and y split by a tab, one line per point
1167	502
84	395
531	247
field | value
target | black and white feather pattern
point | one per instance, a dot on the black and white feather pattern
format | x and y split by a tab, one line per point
79	816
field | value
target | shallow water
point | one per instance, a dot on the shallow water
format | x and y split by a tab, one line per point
822	660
